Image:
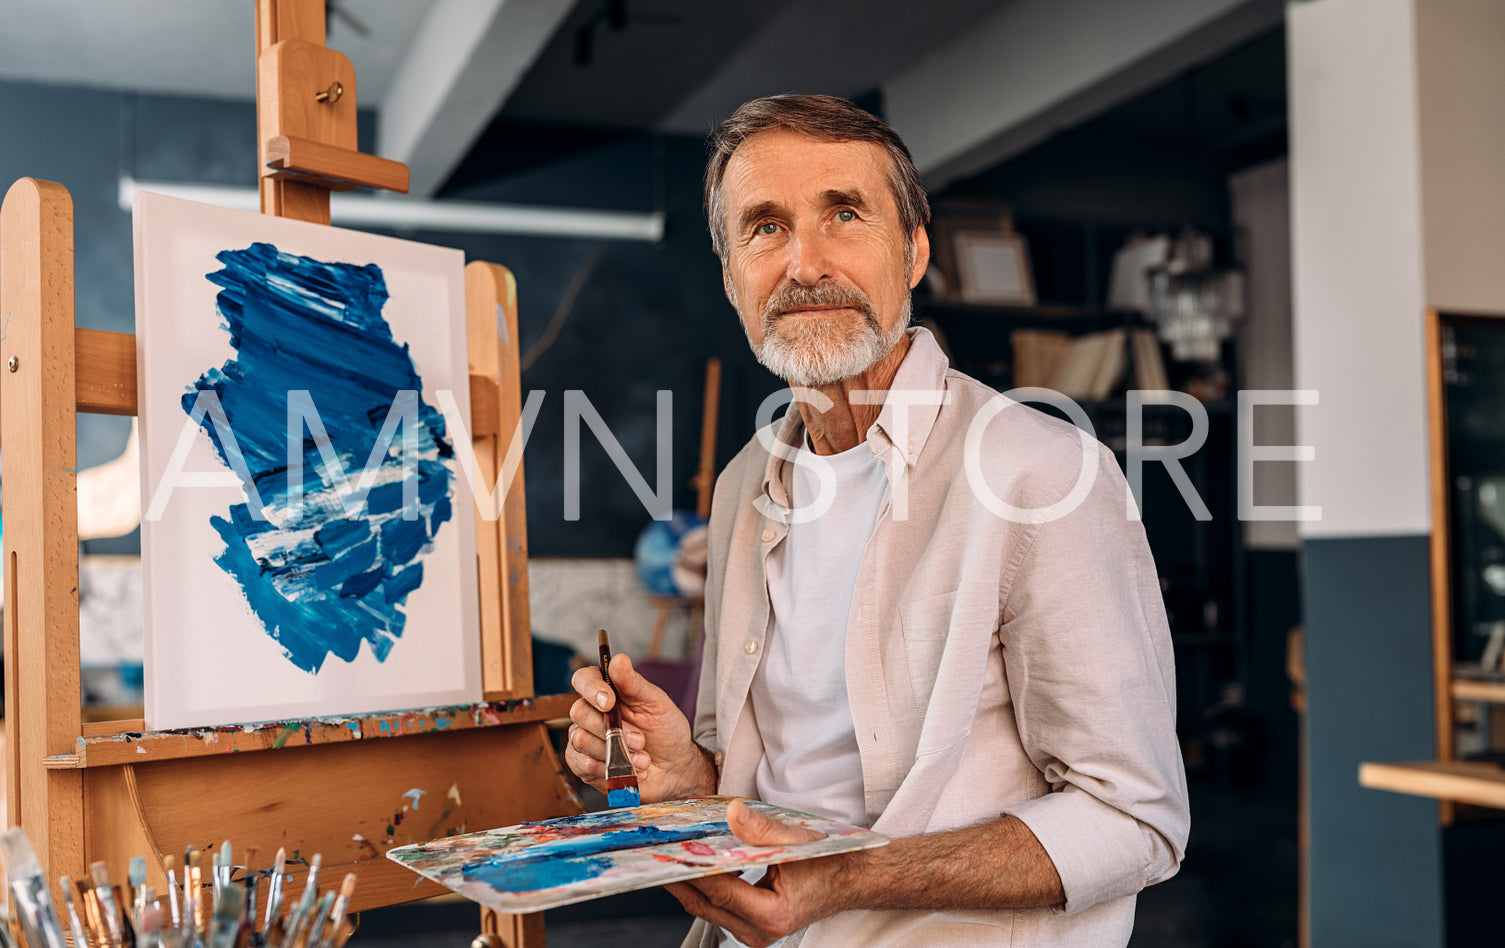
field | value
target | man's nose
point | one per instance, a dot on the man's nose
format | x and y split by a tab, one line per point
809	258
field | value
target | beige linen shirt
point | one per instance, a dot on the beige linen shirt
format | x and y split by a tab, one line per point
998	661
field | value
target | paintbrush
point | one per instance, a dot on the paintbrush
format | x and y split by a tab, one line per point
341	904
300	916
137	880
93	920
80	937
621	779
293	929
272	936
30	899
109	907
318	921
226	925
171	862
151	927
253	881
274	889
226	863
311	887
192	890
123	910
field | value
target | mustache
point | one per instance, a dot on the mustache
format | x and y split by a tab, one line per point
792	296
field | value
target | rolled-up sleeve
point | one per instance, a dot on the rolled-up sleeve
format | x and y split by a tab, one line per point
1088	656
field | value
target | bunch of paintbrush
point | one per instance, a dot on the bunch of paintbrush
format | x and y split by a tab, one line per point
220	913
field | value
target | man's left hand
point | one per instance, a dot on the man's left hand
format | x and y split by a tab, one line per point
789	897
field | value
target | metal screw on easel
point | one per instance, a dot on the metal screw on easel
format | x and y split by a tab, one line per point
13	364
332	94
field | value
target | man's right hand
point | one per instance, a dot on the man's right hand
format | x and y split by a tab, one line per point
669	764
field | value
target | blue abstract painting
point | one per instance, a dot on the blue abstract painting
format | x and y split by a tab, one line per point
321	582
308	536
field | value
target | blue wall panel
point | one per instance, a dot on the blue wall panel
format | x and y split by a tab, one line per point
1375	863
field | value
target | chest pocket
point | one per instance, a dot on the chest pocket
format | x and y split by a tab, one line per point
953	631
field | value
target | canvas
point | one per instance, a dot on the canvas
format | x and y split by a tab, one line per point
308	542
535	866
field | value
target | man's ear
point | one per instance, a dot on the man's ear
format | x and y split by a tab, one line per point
921	256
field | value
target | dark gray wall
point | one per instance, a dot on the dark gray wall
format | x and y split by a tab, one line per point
73	136
647	319
1375	859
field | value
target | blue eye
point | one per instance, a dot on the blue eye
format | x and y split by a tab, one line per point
846	214
767	227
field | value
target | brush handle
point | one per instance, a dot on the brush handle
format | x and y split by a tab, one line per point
614	716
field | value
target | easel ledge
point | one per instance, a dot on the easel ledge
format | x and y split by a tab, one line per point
108	743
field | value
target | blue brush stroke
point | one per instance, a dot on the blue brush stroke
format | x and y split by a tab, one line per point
324	583
576	859
530	877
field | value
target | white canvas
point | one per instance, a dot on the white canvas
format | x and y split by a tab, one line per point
228	601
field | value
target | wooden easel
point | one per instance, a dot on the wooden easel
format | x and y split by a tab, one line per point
111	791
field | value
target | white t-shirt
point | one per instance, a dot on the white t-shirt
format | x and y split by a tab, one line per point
799	692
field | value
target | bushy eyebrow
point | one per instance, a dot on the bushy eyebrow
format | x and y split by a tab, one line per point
853	199
755	212
833	197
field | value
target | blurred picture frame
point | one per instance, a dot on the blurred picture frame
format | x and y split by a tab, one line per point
992	266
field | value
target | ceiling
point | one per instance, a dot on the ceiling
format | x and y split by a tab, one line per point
186	47
575	71
671	62
682	65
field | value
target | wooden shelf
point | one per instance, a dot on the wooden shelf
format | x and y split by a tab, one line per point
1459	781
1490	692
115	742
331	167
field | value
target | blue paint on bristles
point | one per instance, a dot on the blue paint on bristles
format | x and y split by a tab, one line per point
626	796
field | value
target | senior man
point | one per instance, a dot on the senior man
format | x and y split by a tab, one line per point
928	611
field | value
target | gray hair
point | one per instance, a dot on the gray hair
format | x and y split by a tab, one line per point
823	117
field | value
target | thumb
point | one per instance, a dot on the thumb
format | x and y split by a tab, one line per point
758	829
631	687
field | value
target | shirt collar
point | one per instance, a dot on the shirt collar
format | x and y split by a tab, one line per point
923	369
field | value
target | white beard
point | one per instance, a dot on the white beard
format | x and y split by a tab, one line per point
809	352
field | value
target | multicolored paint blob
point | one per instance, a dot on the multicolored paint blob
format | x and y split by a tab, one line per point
320	580
535	866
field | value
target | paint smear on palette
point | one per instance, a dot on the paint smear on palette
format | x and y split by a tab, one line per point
573	859
323	582
541	865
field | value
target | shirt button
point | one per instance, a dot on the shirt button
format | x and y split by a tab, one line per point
767	538
909	448
752	647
